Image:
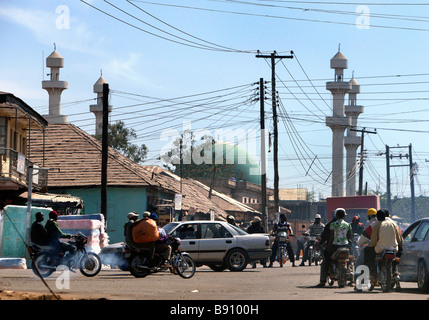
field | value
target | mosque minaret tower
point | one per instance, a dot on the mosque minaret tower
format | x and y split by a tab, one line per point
352	141
338	122
97	109
55	87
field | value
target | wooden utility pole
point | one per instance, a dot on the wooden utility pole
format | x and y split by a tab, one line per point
104	150
263	156
273	56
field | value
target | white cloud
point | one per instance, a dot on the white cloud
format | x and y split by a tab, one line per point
126	68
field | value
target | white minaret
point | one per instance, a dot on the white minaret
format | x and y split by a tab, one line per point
97	109
352	141
55	87
338	122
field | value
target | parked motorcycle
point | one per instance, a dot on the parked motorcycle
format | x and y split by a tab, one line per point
144	261
341	262
386	263
314	253
47	259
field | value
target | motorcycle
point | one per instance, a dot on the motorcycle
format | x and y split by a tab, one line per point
387	278
144	261
46	259
314	253
340	272
283	240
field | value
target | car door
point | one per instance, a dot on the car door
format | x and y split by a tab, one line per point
413	242
189	235
215	241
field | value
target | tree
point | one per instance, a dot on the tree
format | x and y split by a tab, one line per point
119	138
190	158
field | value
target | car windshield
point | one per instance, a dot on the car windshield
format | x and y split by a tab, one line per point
239	231
169	227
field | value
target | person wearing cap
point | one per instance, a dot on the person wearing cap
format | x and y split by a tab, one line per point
256	227
55	233
385	235
366	234
132	217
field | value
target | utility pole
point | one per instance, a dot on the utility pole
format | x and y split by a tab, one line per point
263	155
273	56
363	131
104	151
411	167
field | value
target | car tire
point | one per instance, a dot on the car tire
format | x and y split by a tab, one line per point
236	260
422	277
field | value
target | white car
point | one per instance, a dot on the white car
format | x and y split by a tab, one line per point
219	245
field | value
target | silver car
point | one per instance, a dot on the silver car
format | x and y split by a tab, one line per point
414	263
219	244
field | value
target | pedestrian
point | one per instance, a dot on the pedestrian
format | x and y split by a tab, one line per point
256	227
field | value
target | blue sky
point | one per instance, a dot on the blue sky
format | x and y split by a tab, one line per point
388	57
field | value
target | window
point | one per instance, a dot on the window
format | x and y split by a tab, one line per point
187	231
421	232
3	134
409	233
214	231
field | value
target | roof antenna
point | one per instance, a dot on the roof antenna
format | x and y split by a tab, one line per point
55	47
339	47
101	72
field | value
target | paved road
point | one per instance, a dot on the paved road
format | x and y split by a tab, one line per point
276	283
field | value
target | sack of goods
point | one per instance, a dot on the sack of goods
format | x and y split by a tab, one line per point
91	226
145	230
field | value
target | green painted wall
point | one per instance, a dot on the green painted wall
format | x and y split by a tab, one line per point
120	201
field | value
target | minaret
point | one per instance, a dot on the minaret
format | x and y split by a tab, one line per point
338	122
55	87
97	109
352	141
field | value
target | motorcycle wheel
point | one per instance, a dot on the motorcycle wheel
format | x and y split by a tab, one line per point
386	276
135	268
43	264
281	256
185	266
90	264
342	276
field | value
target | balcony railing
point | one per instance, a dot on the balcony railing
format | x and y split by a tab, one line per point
14	170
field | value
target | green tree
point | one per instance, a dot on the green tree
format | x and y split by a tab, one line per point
119	138
198	159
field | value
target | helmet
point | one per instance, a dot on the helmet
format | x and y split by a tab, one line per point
357	218
318	216
371	212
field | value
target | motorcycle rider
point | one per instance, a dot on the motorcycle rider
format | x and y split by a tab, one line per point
385	235
256	227
282	224
145	233
357	226
132	217
341	235
366	234
324	240
315	229
162	244
39	235
231	220
55	233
